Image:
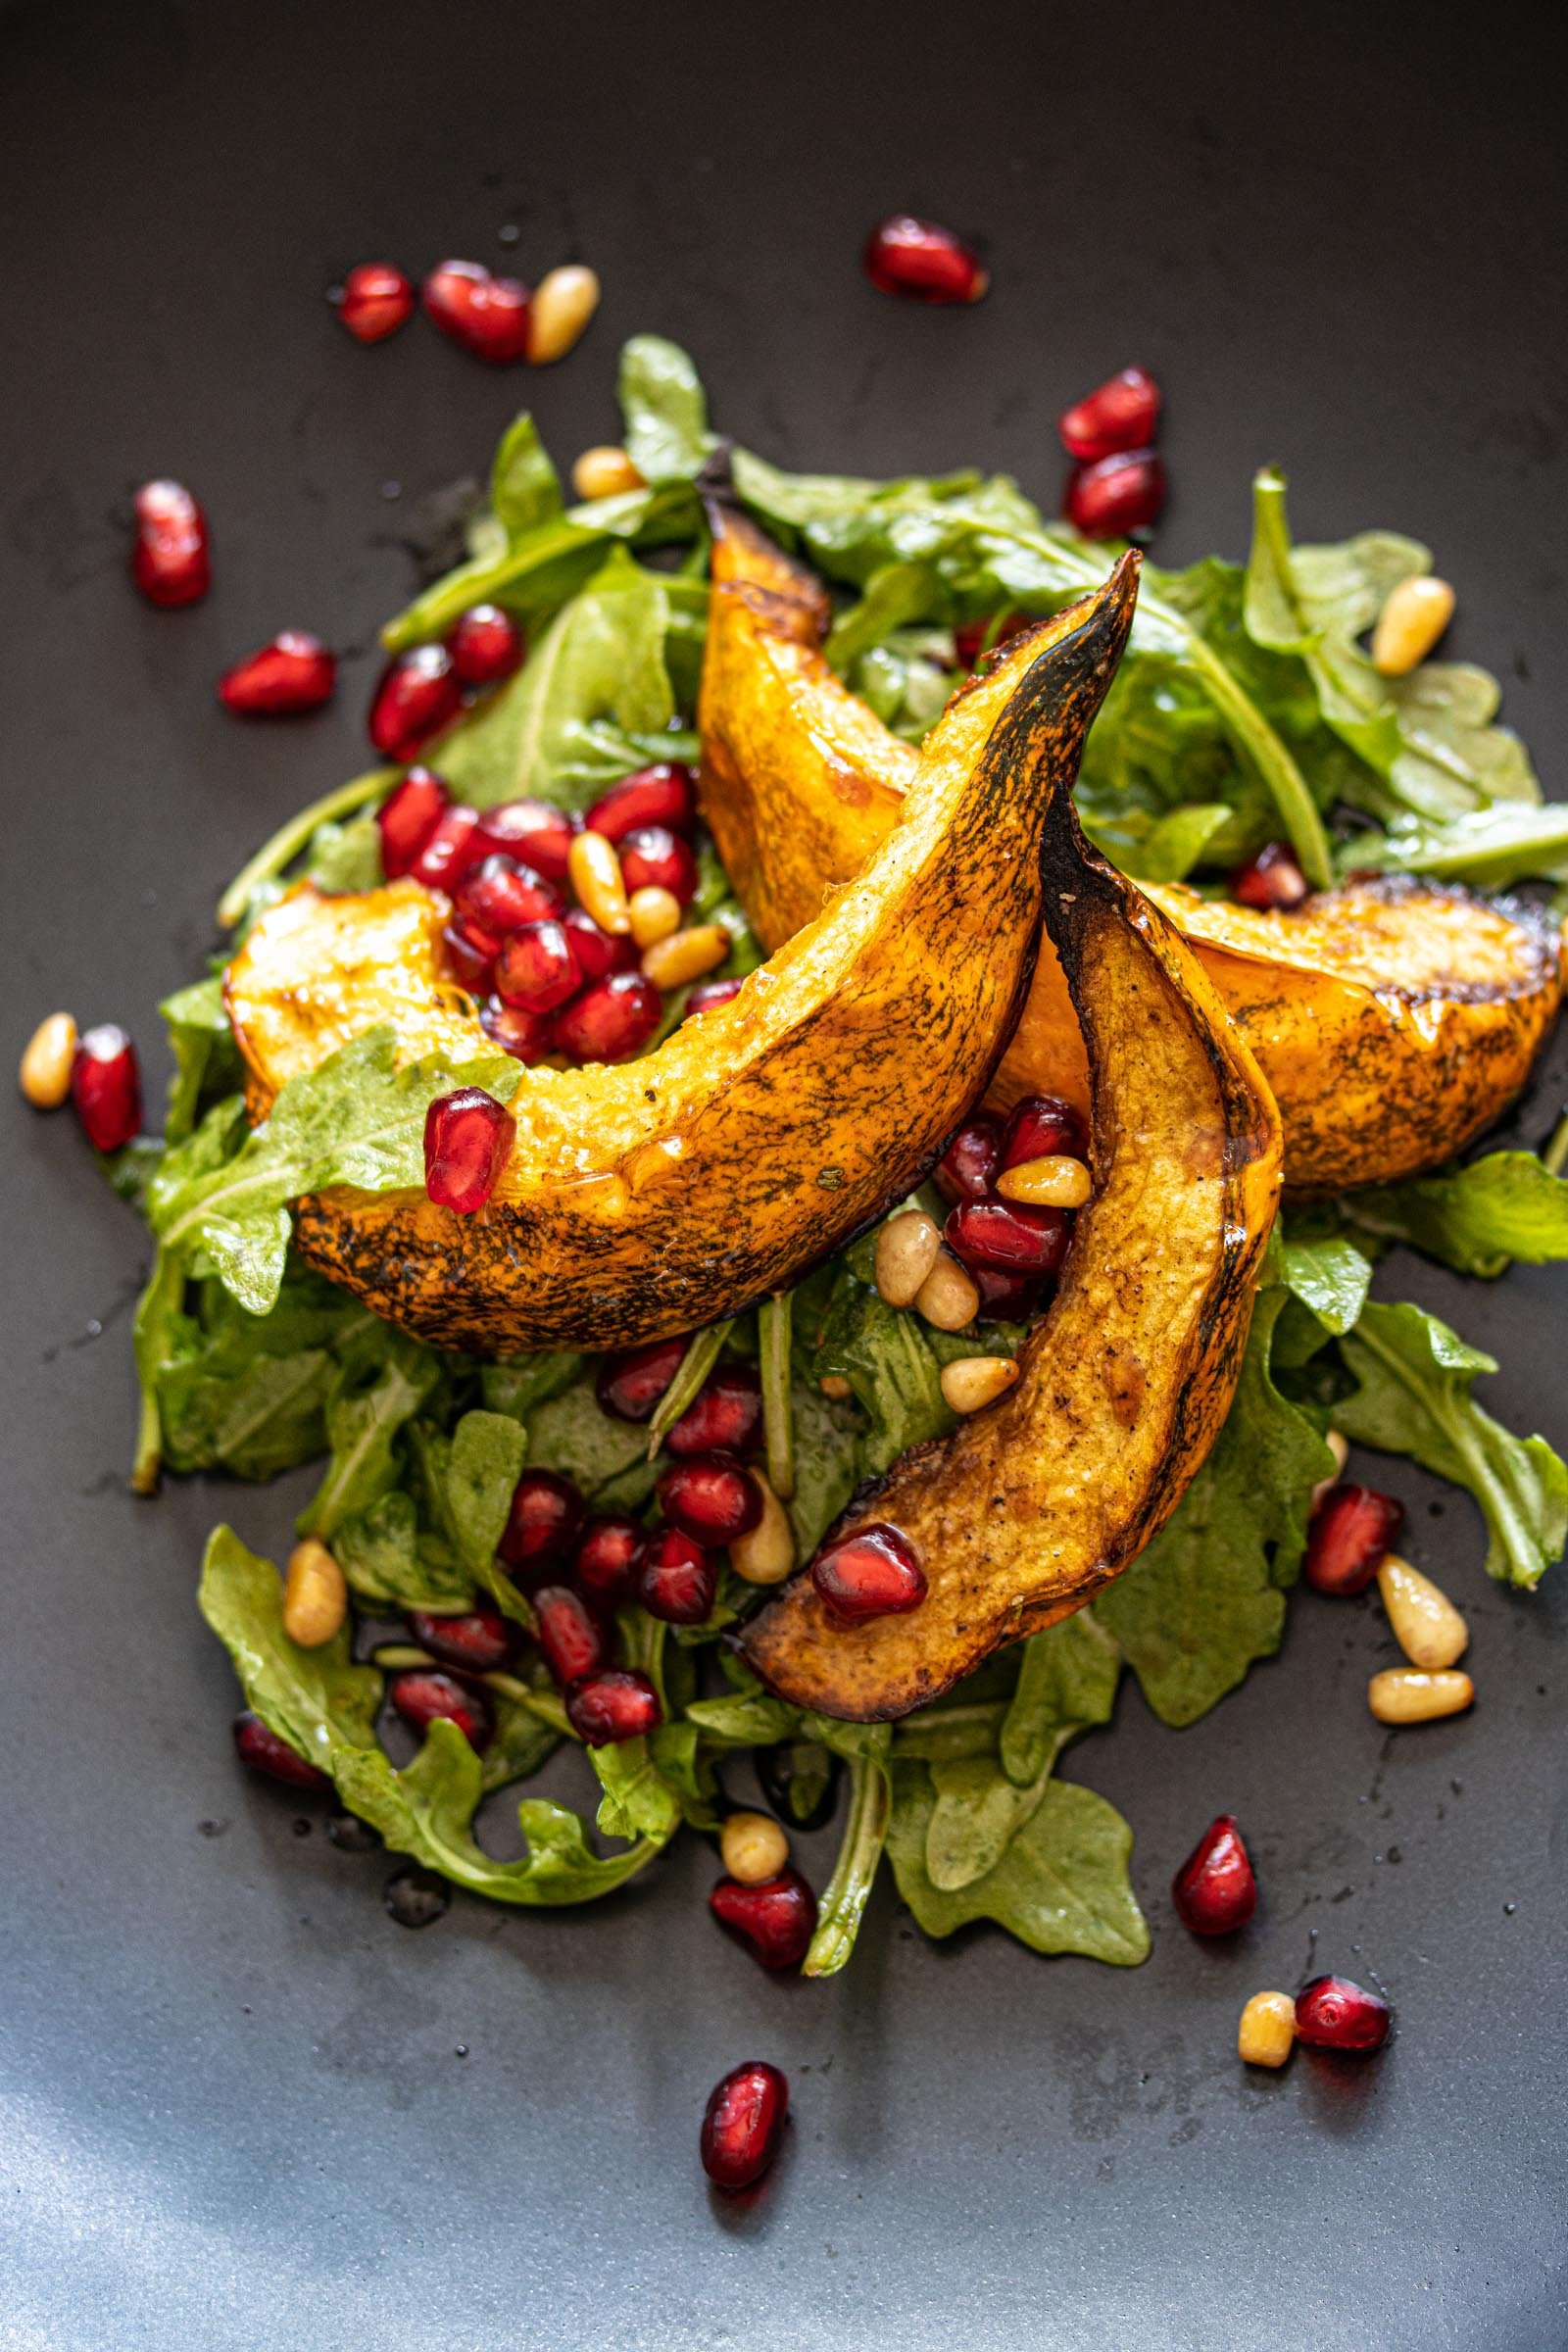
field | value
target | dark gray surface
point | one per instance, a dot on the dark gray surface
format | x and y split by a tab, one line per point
235	2110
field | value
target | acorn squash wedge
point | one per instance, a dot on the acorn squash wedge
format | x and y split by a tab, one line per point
1037	1501
1395	1019
660	1194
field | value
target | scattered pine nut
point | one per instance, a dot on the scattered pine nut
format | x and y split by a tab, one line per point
563	302
1410	626
1266	2034
604	472
974	1381
316	1596
595	874
1405	1695
1054	1181
654	915
1427	1626
686	954
753	1847
1340	1451
947	1299
834	1385
766	1554
45	1073
907	1248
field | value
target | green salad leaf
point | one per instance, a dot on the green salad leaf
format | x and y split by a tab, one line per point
1476	1218
525	486
1068	1678
316	1700
374	1398
866	1748
663	408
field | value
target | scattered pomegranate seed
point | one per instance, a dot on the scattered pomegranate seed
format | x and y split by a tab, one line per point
1121	415
610	1553
498	896
532	832
710	1498
543	1520
485	646
417	694
653	858
709	993
408	818
617	1703
1043	1124
1007	1297
1353	1532
661	795
470	961
967	1168
421	1697
375	299
1214	1889
569	1634
537	967
265	1752
600	952
677	1580
106	1086
487	314
972	636
876	1572
1008	1235
726	1415
292	672
920	259
1117	496
171	562
1271	880
467	1140
453	846
743	2123
1334	2014
774	1919
526	1036
481	1641
630	1386
611	1018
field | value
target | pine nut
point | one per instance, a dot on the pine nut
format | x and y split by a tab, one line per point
766	1554
947	1299
1054	1181
1340	1451
907	1248
1410	626
834	1385
1266	2034
45	1073
654	915
1405	1694
753	1847
974	1381
686	956
316	1598
563	302
604	472
594	871
1427	1626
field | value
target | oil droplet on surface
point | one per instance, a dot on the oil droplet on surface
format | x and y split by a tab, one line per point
415	1899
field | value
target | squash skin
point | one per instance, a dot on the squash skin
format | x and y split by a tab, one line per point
655	1196
1395	1019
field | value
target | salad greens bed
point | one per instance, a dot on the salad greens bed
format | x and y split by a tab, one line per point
1245	711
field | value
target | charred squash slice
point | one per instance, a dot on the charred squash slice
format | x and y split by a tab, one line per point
659	1195
1039	1500
1394	1019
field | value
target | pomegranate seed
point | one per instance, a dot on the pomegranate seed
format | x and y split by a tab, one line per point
470	961
1214	1889
485	646
875	1573
1007	1297
661	794
1270	879
726	1413
169	561
1118	495
569	1634
967	1168
374	301
498	896
743	2123
1353	1532
653	858
265	1752
526	1036
611	1018
1334	2014
106	1086
600	952
451	849
545	1516
1040	1125
468	1138
1008	1235
421	1697
1121	415
417	694
920	259
532	833
616	1703
481	1641
537	967
709	993
710	1498
610	1553
487	314
630	1386
408	818
968	640
292	672
775	1918
677	1580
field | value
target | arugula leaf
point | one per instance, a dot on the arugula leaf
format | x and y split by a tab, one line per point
345	857
386	1560
703	1351
316	1700
482	1466
774	1322
664	411
206	1058
525	487
1507	1206
570	1433
883	1355
1490	848
516	1383
637	1801
825	1443
373	1399
744	1718
1067	1680
866	1748
1161	849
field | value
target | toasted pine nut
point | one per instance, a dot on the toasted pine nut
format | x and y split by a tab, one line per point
1427	1626
686	954
766	1554
1405	1694
1410	626
834	1385
563	302
907	1248
654	915
1054	1181
316	1598
594	871
1340	1451
972	1381
1266	2034
604	472
947	1299
753	1847
45	1073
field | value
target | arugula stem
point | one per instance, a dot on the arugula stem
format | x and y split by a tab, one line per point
149	1459
1556	1156
773	1346
1519	1543
288	841
701	1355
865	1835
546	1704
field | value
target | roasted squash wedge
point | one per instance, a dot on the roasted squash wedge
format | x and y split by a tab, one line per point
1394	1019
659	1195
1036	1502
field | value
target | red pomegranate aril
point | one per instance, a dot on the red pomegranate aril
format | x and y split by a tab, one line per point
468	1138
1008	1235
1007	1297
726	1415
630	1386
987	634
609	1554
537	967
526	1036
1334	2013
106	1086
570	1635
417	694
498	896
1121	414
171	562
421	1697
470	961
924	260
876	1572
1117	496
487	314
375	300
679	1579
709	993
743	2123
709	1497
613	1019
485	646
408	818
661	795
453	846
1041	1126
653	858
1353	1532
615	1704
1272	879
1214	1889
543	1520
600	952
967	1168
479	1642
775	1918
261	1747
292	672
530	832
